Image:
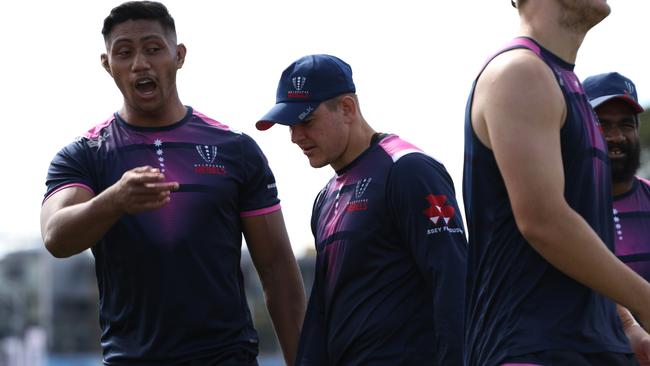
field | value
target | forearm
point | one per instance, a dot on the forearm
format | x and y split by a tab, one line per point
285	300
570	245
78	227
270	248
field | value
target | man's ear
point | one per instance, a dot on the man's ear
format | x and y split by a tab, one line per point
105	65
181	51
349	106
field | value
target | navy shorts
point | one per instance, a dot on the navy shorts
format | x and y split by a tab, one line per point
241	358
244	359
571	358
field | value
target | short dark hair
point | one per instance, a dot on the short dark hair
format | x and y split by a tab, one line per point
138	10
517	3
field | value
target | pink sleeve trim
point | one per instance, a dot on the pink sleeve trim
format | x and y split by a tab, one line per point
261	211
80	185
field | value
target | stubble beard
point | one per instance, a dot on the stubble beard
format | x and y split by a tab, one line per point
580	15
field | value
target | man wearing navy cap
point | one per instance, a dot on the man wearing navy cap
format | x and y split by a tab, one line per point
390	267
614	98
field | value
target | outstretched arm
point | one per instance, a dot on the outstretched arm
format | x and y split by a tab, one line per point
268	243
74	219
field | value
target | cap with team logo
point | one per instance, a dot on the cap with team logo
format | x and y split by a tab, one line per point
603	87
303	85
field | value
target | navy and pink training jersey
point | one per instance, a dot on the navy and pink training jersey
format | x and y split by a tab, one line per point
517	302
170	283
390	268
632	222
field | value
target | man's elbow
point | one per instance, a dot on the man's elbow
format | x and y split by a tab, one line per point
534	227
55	248
56	251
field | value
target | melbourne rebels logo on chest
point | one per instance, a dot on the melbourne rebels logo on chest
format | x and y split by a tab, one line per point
208	154
358	203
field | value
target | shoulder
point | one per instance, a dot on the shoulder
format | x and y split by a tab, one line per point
411	163
220	128
88	142
95	136
198	116
517	86
419	170
99	130
234	135
79	146
415	161
644	184
404	153
515	71
396	148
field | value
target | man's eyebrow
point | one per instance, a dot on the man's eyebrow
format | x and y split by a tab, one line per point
142	39
151	37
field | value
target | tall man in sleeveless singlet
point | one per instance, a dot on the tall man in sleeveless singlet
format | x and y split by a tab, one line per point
390	244
537	194
161	194
614	99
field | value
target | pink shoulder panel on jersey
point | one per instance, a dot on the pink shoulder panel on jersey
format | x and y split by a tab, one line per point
211	121
396	147
94	132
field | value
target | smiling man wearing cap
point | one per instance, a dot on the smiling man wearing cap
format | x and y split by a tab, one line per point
614	98
390	243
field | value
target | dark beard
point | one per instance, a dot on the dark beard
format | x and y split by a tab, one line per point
624	169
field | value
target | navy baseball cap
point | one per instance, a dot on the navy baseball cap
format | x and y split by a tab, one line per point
303	85
612	85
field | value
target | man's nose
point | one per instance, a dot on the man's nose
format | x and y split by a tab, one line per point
613	134
140	62
296	132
